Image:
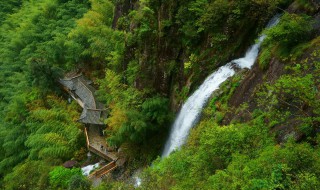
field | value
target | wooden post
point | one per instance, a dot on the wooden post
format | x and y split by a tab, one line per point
87	137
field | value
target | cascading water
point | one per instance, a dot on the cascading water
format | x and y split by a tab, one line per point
191	109
87	169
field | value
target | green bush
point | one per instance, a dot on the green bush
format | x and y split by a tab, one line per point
61	177
265	58
79	182
292	30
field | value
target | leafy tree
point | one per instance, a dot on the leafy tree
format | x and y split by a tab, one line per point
8	7
32	55
292	30
79	182
36	177
55	134
93	40
64	178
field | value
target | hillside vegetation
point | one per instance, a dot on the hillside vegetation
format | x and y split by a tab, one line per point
258	131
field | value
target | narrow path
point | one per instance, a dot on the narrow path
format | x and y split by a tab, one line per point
97	144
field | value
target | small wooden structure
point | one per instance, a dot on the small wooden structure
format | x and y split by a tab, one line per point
92	116
80	90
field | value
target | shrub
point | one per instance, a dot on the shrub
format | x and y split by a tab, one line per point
281	39
60	176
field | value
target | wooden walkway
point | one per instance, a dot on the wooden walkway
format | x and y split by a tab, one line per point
95	141
93	113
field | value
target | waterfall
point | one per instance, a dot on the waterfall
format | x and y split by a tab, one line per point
190	112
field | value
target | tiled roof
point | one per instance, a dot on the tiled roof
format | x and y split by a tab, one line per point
93	110
91	116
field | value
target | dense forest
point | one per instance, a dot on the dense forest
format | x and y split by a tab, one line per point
259	130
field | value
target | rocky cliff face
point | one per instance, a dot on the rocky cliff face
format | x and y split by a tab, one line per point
257	78
175	45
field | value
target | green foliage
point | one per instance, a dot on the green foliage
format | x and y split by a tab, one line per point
64	178
235	157
78	182
54	133
8	7
28	175
306	5
44	138
14	132
142	65
245	155
32	55
139	62
274	168
209	148
294	94
113	185
93	41
291	30
291	91
33	39
280	40
156	110
265	58
132	116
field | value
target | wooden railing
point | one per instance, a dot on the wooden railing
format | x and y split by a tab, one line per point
104	170
98	152
87	137
108	171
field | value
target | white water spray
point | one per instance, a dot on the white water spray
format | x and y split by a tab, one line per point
87	169
191	109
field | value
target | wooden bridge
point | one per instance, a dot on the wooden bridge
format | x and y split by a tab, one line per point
92	116
103	171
